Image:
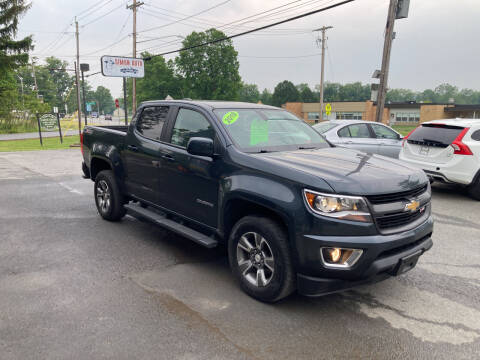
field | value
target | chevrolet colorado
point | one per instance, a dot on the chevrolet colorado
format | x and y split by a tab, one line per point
294	212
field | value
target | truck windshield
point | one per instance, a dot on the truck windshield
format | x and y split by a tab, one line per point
262	130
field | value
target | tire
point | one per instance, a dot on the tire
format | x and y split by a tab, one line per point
108	198
269	252
474	189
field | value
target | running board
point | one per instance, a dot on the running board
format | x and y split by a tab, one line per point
137	211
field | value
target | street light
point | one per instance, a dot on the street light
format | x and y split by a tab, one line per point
83	68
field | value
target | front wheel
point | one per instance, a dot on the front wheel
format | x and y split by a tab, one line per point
260	258
108	198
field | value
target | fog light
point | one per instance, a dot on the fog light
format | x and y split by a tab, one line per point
334	254
340	257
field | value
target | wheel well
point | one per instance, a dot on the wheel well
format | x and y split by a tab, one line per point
239	208
98	165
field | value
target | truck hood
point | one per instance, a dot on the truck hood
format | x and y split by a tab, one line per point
351	172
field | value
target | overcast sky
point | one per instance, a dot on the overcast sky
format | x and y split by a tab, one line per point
438	42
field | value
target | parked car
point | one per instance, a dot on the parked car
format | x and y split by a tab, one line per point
448	151
293	211
365	136
108	116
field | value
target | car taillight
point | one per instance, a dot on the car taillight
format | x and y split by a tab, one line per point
459	147
81	142
406	137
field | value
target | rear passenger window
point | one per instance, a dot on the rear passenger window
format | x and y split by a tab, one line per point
359	131
151	121
190	123
344	132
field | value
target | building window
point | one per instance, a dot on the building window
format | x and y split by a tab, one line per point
349	115
313	116
401	116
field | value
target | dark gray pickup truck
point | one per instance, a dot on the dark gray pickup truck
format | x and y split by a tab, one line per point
294	212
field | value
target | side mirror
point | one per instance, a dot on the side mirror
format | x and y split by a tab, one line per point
200	146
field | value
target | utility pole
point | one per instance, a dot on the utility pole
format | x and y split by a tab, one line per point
323	30
133	7
34	77
387	49
77	79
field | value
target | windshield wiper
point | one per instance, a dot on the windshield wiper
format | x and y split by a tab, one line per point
306	147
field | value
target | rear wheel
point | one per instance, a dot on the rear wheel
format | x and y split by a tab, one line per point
108	198
260	258
474	189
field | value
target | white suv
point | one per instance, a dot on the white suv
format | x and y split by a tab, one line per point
447	150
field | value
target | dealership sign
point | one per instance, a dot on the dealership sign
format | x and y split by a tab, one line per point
119	66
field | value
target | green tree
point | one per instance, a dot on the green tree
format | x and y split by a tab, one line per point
249	93
160	80
266	97
210	71
13	53
285	92
306	94
354	92
401	95
105	100
331	91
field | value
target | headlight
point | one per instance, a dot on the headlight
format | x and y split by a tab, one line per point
338	206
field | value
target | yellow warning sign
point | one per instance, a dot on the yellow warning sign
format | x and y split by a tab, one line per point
328	109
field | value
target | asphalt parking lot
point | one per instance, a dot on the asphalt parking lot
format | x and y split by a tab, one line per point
75	286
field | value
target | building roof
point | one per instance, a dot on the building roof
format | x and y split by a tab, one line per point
459	108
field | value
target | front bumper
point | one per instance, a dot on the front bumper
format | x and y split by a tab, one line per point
381	258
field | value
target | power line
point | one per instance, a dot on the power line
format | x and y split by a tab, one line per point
279	57
256	29
105	14
186	18
96	7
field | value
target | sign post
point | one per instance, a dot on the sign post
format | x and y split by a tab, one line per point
119	66
59	128
125	99
39	129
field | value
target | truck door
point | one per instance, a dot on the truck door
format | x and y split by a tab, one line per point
191	182
142	153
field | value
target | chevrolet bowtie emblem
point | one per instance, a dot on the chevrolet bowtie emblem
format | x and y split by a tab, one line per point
412	206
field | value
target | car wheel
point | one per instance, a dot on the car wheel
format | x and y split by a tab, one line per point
108	198
474	189
260	258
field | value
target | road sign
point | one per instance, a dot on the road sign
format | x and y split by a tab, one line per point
119	66
48	122
328	109
55	110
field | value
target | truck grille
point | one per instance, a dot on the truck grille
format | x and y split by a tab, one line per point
389	198
398	219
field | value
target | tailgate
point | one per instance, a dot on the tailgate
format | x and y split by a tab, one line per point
432	143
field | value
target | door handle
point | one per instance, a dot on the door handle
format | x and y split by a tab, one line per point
132	147
168	157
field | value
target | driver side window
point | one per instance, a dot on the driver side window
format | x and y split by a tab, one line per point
188	124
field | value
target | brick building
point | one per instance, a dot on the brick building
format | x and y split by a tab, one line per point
406	113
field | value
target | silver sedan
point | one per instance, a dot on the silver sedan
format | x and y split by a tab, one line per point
366	136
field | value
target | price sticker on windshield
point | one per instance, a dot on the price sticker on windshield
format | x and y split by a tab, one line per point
230	117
